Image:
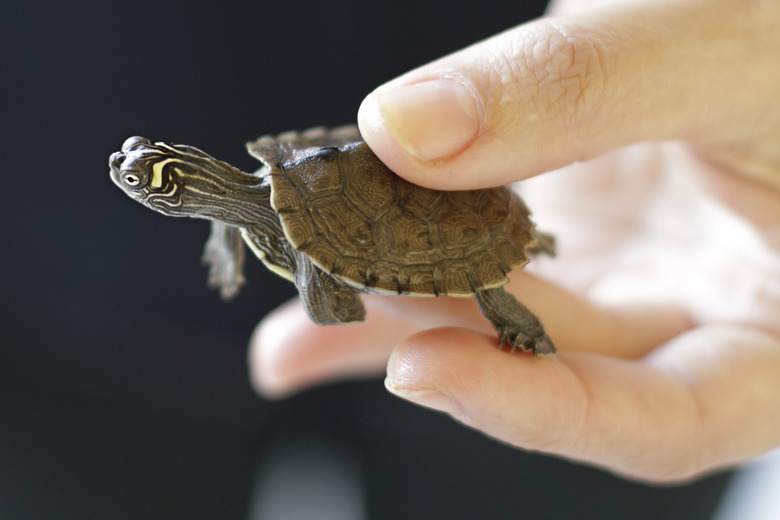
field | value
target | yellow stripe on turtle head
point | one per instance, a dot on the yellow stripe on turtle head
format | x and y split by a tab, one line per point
157	169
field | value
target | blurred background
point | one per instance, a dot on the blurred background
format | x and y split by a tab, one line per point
123	380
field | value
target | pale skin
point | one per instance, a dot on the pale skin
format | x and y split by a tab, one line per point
652	129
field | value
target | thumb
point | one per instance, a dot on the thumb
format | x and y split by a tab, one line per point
563	89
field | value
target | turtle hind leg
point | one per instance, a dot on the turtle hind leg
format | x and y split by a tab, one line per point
545	243
515	323
224	254
326	301
333	305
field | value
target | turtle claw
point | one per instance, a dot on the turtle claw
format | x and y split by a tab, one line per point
506	336
538	346
515	323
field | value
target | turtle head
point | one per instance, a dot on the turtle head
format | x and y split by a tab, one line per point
180	180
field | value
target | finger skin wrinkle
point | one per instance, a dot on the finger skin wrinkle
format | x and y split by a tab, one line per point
550	426
726	395
569	436
563	71
641	423
697	459
688	435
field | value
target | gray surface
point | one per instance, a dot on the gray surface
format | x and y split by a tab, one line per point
754	492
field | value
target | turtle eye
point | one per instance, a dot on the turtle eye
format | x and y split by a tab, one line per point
131	179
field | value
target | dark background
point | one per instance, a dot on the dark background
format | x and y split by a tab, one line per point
123	380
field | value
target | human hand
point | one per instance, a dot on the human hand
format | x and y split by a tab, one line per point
664	299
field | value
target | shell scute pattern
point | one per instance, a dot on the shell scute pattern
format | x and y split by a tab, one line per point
316	180
373	195
451	278
422	203
350	269
326	256
285	199
404	233
372	229
384	274
334	213
299	230
422	282
458	231
492	207
484	269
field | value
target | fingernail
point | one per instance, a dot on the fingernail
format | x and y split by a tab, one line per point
430	120
426	397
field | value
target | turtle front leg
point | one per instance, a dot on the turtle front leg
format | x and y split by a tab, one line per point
326	301
224	254
515	323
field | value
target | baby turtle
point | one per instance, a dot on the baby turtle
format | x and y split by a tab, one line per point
324	212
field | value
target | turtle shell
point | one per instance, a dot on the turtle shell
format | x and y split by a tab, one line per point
357	220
